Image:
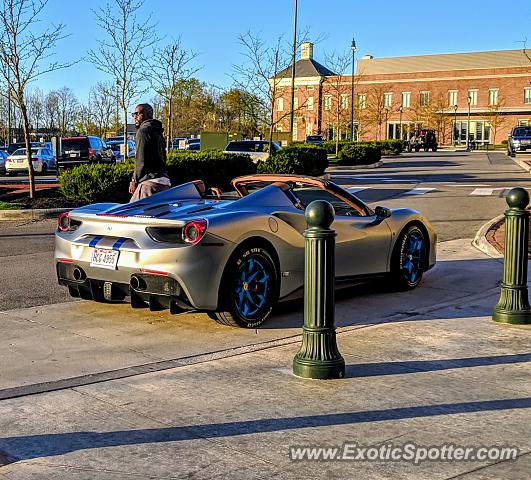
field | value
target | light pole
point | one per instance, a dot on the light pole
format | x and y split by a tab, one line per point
456	132
469	100
353	47
401	109
292	113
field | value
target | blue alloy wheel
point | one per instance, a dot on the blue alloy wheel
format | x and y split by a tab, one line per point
249	289
409	259
412	256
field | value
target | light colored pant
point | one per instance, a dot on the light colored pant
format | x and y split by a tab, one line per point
146	189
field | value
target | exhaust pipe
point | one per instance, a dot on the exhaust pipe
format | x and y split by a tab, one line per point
79	275
137	283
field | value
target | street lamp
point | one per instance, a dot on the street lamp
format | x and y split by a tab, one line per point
292	113
469	100
456	132
353	47
401	109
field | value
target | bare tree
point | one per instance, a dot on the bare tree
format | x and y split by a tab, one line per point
23	51
102	103
36	110
260	74
51	108
121	52
238	111
340	93
496	117
377	111
67	106
168	65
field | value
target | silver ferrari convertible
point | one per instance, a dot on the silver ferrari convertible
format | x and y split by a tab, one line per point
233	255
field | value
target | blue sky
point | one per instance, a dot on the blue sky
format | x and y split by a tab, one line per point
382	28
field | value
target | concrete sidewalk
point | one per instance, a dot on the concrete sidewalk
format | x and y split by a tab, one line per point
438	372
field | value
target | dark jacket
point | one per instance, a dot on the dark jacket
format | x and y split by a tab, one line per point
150	148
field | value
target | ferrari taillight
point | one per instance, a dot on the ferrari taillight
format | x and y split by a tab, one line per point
63	222
194	231
66	224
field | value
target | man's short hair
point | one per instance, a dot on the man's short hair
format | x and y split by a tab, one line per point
147	110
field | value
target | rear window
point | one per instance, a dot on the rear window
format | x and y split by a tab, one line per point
240	147
74	143
522	132
22	151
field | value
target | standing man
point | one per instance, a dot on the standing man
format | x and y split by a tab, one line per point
150	174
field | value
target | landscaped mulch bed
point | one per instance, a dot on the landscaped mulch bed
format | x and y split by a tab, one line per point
46	198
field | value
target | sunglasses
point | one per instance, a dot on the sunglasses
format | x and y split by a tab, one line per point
134	114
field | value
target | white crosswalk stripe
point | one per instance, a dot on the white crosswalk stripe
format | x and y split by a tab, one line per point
486	192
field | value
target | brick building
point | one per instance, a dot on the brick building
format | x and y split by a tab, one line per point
483	93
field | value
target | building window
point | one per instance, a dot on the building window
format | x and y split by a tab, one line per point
473	95
328	102
344	101
527	95
424	99
309	103
295	103
493	96
388	99
309	128
362	101
294	136
406	99
280	105
452	98
309	87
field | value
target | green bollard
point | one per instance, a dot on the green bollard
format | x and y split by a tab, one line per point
319	356
513	306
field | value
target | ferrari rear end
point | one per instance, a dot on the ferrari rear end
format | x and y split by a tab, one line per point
163	263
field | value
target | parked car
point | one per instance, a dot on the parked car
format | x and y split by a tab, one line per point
86	149
315	139
425	139
177	142
233	255
257	149
519	140
3	156
41	157
193	144
116	146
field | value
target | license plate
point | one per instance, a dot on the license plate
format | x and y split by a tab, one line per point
104	258
20	161
73	154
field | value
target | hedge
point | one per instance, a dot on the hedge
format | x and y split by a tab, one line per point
359	154
296	159
109	183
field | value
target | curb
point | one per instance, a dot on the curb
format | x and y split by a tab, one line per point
480	240
32	214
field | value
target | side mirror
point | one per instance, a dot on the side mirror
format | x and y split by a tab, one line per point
382	212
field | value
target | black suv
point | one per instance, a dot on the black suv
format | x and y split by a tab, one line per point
78	150
519	140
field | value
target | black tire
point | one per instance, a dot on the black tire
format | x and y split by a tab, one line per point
249	289
44	170
409	259
434	149
417	148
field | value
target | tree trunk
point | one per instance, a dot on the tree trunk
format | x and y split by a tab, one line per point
170	117
126	149
27	140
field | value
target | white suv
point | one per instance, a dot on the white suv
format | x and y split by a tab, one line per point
257	149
